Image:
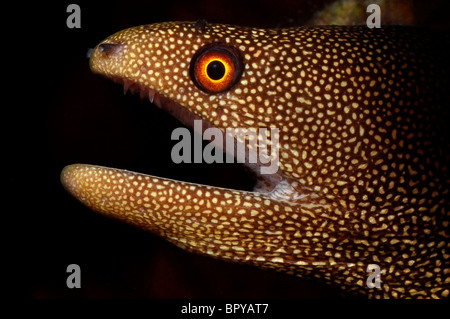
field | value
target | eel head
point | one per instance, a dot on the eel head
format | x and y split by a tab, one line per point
353	172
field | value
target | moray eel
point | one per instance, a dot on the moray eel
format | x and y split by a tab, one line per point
362	172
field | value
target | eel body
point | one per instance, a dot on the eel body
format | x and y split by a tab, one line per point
362	173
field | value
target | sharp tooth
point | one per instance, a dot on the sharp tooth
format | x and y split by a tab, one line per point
126	86
151	95
157	100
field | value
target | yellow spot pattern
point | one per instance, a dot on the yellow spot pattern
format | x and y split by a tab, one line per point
362	117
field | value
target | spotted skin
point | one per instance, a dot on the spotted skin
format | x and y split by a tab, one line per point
363	149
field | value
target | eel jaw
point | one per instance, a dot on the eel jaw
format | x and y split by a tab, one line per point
222	223
111	53
231	225
274	184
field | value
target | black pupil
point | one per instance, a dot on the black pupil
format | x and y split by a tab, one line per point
215	70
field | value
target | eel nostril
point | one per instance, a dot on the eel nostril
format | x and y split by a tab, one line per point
109	48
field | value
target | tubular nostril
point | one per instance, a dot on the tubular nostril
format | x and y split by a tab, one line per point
89	52
109	48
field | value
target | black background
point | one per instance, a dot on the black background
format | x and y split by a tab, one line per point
56	112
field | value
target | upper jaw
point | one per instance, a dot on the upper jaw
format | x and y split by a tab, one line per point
105	56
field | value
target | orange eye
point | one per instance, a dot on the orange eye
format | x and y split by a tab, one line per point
216	68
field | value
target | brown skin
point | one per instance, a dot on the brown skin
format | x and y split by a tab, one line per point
363	152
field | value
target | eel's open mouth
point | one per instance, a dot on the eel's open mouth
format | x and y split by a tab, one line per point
256	147
106	59
110	59
265	183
